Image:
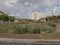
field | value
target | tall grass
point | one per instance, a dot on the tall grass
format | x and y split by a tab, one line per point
29	29
52	24
3	30
34	30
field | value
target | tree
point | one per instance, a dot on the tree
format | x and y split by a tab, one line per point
11	18
58	17
5	17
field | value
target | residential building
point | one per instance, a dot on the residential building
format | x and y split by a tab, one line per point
35	16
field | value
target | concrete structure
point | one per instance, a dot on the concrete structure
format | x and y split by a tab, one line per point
35	16
16	20
43	20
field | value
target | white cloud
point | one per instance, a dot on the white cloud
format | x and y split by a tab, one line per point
26	3
57	11
55	8
10	3
26	7
13	1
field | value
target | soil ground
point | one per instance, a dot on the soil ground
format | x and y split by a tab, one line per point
31	36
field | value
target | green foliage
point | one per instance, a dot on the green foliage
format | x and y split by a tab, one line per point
51	29
2	17
5	17
3	30
28	29
48	29
33	30
37	30
18	30
52	24
11	18
22	30
58	17
53	17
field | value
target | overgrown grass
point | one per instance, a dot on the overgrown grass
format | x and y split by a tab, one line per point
34	30
3	30
52	24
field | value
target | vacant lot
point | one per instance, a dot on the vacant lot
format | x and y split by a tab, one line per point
27	28
10	27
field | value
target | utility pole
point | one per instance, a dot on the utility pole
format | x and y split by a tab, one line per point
52	15
52	12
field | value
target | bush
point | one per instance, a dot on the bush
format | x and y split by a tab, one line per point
33	30
27	29
4	30
52	24
37	30
18	30
51	30
21	30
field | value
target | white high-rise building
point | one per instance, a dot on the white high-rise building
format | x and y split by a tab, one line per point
35	16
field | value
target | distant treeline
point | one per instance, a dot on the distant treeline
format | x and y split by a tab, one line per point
5	17
53	17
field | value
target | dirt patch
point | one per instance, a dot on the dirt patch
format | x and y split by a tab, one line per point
31	36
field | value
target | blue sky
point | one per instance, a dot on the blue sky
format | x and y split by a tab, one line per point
24	8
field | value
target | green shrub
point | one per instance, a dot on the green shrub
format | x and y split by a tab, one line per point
48	29
34	29
21	30
18	30
27	29
43	28
37	30
4	30
51	30
52	24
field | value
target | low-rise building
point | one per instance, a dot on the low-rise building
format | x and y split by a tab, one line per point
35	16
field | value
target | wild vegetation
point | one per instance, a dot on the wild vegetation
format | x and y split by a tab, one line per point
5	17
35	28
26	26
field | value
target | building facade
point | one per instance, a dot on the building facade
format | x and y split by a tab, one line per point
35	16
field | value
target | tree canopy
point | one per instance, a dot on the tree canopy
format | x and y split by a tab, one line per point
5	17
